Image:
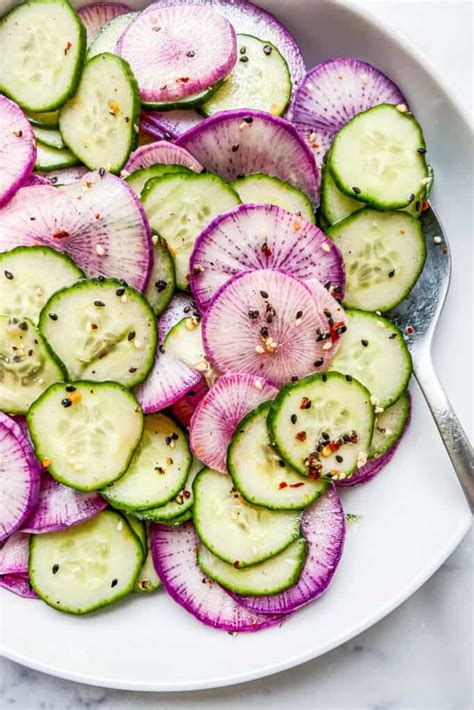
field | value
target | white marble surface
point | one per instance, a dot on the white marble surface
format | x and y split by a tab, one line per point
418	657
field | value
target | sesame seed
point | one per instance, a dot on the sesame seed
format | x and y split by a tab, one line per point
267	49
100	250
325	247
356	189
53	316
264	294
365	78
391	273
259	349
309	87
378	410
243	59
381	324
41	381
364	342
8	275
258	384
374	400
39	292
66	402
124	298
437	240
327	345
201	366
402	108
99	304
154	239
137	343
78	467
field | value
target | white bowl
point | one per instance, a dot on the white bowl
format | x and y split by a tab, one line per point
413	515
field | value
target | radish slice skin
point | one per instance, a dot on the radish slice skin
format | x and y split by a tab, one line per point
99	222
18	584
334	92
14	554
174	556
17	149
253	237
97	14
37	180
169	124
219	412
19	477
242	142
65	176
59	507
185	407
324	527
161	152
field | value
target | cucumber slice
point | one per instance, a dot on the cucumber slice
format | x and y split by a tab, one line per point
389	426
234	530
175	510
269	577
106	40
158	469
138	527
100	123
27	365
258	472
180	206
48	158
260	79
373	351
161	283
43	120
384	254
380	157
138	179
49	137
184	343
101	330
322	425
184	104
263	189
31	276
42	44
87	566
147	580
85	433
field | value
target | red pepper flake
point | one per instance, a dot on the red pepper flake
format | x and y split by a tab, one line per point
301	436
336	329
425	206
67	47
283	484
266	251
296	485
60	234
97	215
186	494
305	403
410	329
297	224
184	79
236	564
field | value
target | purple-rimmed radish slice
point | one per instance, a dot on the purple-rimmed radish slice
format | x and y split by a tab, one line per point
269	324
237	143
253	237
19	477
218	413
59	507
97	14
18	584
334	92
14	554
174	556
178	51
161	152
17	149
324	527
65	176
98	221
35	179
169	124
184	408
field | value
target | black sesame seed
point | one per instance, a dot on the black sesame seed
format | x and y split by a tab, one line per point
66	402
114	583
392	337
339	458
8	275
53	316
101	172
356	189
325	435
175	436
168	440
55	569
324	378
293	418
269	319
264	331
421	150
364	342
318	362
53	180
299	315
325	157
160	285
23	325
190	53
349	378
131	335
101	278
161	349
123	282
267	49
132	370
243	59
99	304
411	197
281	463
391	273
294	378
70	388
264	294
120	292
253	314
417	205
248	119
235	147
243	50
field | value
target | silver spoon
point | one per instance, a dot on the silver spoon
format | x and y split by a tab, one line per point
417	317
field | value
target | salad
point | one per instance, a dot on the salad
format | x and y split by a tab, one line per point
201	244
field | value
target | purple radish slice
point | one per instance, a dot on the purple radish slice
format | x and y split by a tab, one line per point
237	143
269	324
184	408
334	92
14	554
59	507
97	14
253	237
19	477
99	222
174	556
35	179
178	51
324	527
17	149
219	412
169	124
65	176
18	584
161	152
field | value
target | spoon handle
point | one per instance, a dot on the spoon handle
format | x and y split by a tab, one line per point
454	437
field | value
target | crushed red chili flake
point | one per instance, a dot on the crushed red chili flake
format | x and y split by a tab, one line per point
301	436
60	234
266	251
186	494
410	329
282	484
184	79
297	485
305	403
67	47
425	206
236	564
336	329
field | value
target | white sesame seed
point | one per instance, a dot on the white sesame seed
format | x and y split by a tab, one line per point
379	313
39	292
341	476
136	128
325	247
361	459
380	324
124	298
243	125
119	525
154	239
402	108
78	467
41	381
365	78
437	240
100	250
298	321
263	233
309	87
374	400
124	173
259	349
327	345
201	366
189	324
425	180
379	410
388	432
137	343
312	137
258	384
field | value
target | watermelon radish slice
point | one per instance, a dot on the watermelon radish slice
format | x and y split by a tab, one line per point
269	324
184	408
237	143
161	152
18	584
19	476
174	556
253	237
334	92
169	124
324	527
98	14
178	51
17	149
98	222
65	176
14	554
219	412
59	507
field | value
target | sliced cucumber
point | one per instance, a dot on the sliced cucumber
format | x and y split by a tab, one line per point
161	283
101	330
48	158
389	426
100	124
190	101
260	79
379	156
87	566
260	474
147	580
269	577
49	137
184	342
43	120
138	527
86	433
42	45
234	530
262	189
106	40
158	469
384	254
138	179
27	365
322	425
30	276
180	206
176	509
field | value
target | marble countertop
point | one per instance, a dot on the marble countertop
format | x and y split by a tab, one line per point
420	656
